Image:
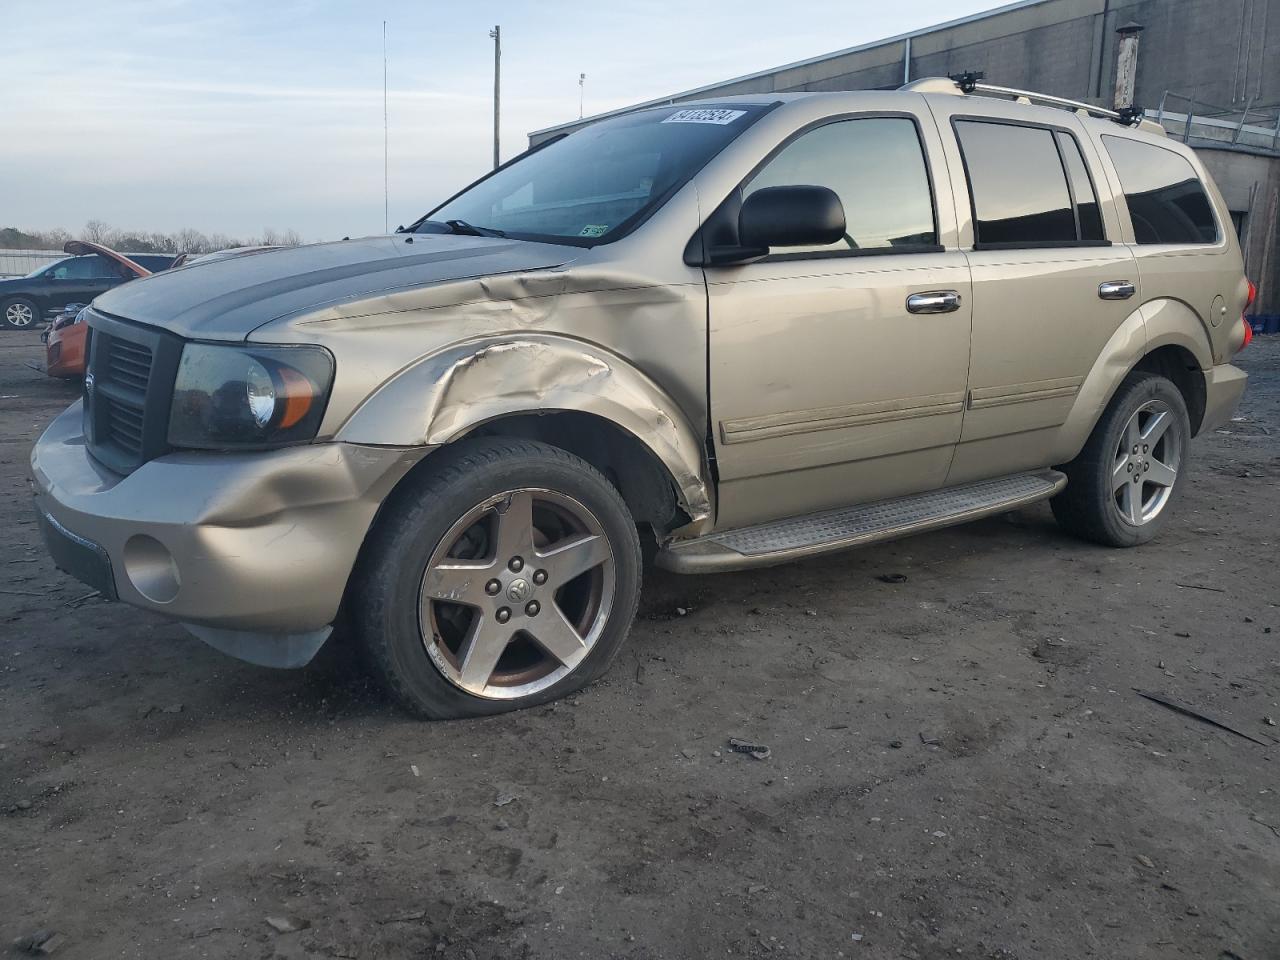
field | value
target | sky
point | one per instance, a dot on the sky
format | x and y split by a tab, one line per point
233	116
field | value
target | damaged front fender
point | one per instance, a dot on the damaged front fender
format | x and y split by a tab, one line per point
443	397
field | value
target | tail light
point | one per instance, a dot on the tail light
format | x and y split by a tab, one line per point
1248	327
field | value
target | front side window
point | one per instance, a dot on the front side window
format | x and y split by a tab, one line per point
877	168
597	183
1167	202
91	267
1018	184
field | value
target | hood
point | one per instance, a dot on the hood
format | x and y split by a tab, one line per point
80	248
228	299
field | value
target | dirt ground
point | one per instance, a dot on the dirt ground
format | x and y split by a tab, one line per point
960	765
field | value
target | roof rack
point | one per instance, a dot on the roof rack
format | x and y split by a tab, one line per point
971	83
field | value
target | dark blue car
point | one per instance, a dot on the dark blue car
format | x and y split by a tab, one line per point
27	300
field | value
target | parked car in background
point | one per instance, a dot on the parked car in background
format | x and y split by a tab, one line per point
25	301
65	339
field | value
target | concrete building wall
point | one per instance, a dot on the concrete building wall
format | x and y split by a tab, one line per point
1223	53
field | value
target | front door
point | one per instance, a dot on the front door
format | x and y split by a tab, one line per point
79	280
838	373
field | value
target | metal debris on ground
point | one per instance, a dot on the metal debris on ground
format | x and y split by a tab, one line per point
757	750
892	578
503	799
929	741
40	943
287	924
1198	715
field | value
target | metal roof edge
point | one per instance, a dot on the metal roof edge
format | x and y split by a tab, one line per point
859	48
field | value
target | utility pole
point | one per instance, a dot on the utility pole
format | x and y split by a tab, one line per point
496	34
386	182
582	79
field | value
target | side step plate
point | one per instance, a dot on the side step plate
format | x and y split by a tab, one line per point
797	537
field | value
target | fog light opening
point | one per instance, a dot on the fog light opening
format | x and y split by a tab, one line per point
151	568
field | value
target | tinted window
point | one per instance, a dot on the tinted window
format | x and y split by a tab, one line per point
1166	199
876	166
154	262
600	179
83	268
1086	200
1019	189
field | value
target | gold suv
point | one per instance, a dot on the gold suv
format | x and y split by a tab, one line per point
758	329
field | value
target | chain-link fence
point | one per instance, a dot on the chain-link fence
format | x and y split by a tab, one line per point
18	263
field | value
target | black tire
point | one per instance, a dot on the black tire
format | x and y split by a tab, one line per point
11	308
1088	507
413	525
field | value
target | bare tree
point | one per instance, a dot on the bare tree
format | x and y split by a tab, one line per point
129	241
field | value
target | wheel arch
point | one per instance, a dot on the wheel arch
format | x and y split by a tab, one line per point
572	394
1162	336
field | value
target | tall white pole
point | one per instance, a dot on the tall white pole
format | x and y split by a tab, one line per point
386	141
496	33
582	80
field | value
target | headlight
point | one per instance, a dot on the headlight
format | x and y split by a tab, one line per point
248	396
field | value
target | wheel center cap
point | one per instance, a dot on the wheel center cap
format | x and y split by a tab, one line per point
518	591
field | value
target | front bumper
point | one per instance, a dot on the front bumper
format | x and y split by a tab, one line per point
1224	386
232	543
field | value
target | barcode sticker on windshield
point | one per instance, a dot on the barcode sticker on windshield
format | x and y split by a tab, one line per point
716	115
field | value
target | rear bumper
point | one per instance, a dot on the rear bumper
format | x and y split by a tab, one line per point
260	542
1224	386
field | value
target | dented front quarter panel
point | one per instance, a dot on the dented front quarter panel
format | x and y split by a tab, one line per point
424	366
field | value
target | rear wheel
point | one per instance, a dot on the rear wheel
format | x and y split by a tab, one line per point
506	576
1124	481
20	313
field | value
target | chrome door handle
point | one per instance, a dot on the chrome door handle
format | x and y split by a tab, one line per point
1116	290
938	301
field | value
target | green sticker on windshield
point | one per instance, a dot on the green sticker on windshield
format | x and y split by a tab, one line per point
594	230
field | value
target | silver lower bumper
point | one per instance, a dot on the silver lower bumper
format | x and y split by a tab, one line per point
259	542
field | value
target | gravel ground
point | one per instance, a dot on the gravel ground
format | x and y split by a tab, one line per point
960	765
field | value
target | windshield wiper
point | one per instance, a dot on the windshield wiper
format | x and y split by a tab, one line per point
470	230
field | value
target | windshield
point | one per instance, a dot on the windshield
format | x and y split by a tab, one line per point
597	183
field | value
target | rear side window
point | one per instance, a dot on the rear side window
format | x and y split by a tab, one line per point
876	166
1167	202
1088	217
1030	186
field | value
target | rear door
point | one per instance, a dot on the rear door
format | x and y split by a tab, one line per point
827	388
1051	281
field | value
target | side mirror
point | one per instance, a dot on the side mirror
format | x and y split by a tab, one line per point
793	216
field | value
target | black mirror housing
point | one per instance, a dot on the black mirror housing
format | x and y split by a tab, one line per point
791	216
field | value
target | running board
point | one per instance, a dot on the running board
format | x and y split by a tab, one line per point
807	536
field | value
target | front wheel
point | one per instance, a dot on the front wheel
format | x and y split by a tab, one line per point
20	313
505	575
1121	486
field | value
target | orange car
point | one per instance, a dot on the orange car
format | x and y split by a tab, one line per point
65	341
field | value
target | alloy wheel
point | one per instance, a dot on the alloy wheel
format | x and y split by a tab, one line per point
517	593
19	315
1147	461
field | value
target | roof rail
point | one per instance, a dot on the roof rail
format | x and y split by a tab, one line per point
967	83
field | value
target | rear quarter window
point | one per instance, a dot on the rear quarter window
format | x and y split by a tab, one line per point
1167	202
